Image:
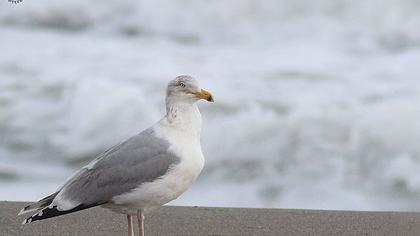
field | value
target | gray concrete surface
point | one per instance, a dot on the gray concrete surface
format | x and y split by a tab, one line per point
216	221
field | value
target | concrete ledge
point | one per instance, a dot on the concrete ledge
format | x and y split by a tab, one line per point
216	221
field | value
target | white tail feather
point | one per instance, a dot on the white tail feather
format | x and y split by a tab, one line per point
24	211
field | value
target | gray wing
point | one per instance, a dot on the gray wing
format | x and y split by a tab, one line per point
120	169
140	159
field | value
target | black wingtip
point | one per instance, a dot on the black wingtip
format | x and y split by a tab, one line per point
41	204
50	212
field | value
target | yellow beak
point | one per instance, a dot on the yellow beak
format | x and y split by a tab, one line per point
204	95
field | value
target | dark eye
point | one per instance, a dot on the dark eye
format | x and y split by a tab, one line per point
182	84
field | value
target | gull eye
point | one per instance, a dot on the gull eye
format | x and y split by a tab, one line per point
182	84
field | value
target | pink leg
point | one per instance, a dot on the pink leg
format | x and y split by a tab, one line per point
130	226
140	218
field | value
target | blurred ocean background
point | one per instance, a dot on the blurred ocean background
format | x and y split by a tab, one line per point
317	102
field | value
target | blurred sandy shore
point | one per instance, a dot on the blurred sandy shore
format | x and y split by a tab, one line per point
217	221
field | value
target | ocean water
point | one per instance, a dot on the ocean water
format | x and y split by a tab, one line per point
317	102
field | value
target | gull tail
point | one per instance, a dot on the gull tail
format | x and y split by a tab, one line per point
52	211
38	205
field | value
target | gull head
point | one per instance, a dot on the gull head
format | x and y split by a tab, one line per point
185	88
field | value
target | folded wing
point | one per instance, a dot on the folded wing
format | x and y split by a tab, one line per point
120	169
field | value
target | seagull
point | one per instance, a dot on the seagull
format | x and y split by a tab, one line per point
147	170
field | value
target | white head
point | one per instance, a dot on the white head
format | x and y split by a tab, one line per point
185	89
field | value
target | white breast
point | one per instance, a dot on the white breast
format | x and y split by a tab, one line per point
185	143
